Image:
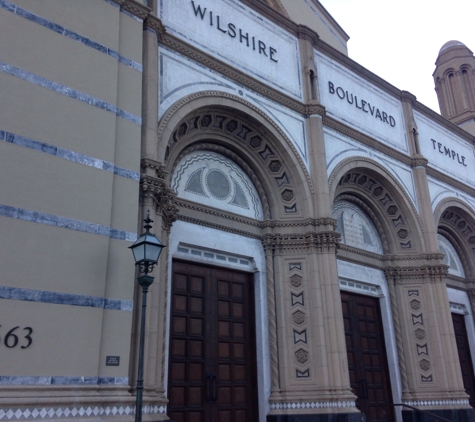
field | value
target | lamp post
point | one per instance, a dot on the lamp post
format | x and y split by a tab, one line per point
146	250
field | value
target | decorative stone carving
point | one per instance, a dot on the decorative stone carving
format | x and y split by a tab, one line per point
244	133
420	334
296	281
415	304
298	317
424	364
156	186
301	356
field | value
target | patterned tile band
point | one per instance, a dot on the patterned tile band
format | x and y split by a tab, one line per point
25	380
17	10
65	223
69	92
29	295
312	405
67	155
77	412
436	402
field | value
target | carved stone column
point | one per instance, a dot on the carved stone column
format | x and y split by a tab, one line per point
312	368
427	353
157	197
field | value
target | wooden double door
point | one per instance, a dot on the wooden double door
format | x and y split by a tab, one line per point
212	370
465	357
367	360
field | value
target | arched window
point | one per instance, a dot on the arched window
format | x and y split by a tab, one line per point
356	228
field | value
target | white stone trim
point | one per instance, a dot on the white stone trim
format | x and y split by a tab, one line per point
312	405
436	402
76	411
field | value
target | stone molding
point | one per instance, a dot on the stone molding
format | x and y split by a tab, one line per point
136	8
406	96
419	162
154	23
436	174
419	274
323	242
307	34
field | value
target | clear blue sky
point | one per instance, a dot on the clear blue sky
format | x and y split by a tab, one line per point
400	40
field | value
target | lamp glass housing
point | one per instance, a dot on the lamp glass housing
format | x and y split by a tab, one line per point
146	249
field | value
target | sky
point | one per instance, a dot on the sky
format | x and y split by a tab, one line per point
400	40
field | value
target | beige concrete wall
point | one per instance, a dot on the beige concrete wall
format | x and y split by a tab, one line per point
68	340
61	335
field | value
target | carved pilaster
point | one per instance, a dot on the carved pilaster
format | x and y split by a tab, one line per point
156	187
424	335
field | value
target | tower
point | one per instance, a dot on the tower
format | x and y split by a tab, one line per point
454	79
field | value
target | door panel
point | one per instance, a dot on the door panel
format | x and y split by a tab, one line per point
464	356
212	373
367	362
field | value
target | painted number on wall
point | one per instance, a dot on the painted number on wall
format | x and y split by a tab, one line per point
12	338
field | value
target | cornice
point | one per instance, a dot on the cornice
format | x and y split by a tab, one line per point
407	97
153	164
156	24
436	174
409	274
307	34
310	222
419	161
136	8
323	242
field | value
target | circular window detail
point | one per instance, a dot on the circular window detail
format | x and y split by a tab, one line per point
218	184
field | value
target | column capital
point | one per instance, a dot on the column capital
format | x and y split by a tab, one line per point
155	24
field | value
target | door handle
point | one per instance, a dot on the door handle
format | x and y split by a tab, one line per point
208	387
215	388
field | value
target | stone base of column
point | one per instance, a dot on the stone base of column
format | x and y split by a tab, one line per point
323	417
454	415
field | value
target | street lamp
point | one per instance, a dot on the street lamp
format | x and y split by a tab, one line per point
146	250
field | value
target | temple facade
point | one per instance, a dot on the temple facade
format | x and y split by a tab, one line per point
319	222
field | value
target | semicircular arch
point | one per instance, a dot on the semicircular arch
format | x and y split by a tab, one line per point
235	128
386	201
456	221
